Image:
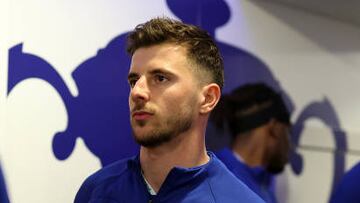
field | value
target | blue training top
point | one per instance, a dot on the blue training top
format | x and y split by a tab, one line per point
122	182
256	178
348	188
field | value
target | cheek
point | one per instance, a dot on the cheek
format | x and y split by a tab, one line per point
286	148
177	98
287	139
282	144
180	98
131	104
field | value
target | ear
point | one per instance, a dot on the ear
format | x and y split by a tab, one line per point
210	96
272	126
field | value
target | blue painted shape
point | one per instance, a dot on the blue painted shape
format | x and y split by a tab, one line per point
99	114
3	191
208	14
23	66
324	111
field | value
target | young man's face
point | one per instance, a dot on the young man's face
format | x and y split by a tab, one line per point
164	94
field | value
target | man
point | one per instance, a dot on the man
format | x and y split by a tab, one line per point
259	124
175	77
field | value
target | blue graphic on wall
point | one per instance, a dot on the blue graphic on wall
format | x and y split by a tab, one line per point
100	115
3	191
325	112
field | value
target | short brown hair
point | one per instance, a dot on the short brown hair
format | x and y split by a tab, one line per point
201	49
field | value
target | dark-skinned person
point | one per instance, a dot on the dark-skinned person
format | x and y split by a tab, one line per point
258	122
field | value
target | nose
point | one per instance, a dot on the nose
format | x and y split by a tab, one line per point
140	91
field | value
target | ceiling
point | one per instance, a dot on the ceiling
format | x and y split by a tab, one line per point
347	11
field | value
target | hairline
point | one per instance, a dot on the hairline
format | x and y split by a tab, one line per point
204	76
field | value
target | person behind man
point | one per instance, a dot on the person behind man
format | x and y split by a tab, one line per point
259	124
347	189
175	80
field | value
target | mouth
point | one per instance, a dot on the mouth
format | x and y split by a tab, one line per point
141	115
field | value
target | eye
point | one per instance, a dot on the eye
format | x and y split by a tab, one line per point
160	78
132	82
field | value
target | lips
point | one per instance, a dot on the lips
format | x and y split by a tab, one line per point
141	115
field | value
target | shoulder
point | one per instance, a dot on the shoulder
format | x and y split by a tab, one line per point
227	157
235	166
346	191
226	187
223	153
353	173
106	175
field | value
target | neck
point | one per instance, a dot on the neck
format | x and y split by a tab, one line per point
185	150
251	148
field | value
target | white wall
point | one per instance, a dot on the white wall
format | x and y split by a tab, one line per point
312	57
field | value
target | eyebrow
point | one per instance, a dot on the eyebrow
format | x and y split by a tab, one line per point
155	71
161	71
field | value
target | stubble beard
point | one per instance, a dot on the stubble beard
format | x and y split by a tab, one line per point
277	163
164	132
280	158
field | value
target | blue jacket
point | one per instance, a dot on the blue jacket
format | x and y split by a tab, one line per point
348	188
122	182
257	178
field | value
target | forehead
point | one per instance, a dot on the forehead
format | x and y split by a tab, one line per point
166	56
